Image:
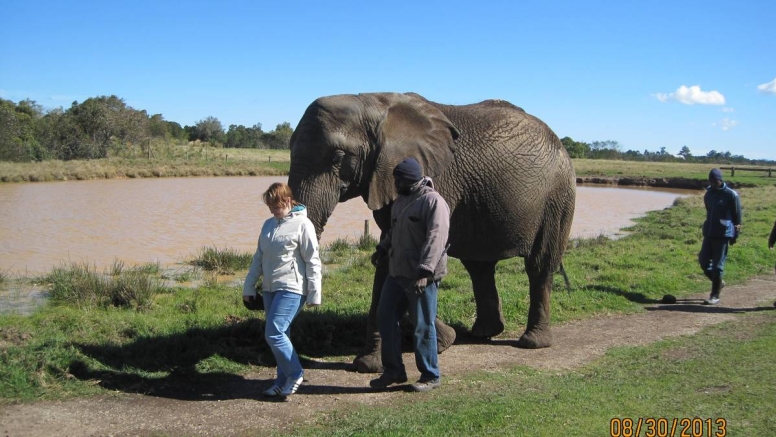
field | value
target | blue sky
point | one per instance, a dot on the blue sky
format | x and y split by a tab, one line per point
648	74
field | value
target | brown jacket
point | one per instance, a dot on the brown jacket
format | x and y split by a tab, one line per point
417	240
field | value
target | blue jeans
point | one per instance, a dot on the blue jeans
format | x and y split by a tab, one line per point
281	308
394	303
712	256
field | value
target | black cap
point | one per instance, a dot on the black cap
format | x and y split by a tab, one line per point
409	170
715	174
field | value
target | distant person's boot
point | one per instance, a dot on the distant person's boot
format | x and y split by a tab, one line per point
717	284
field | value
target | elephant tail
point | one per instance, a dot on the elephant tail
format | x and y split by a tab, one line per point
565	278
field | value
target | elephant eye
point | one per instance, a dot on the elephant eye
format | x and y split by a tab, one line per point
337	158
348	168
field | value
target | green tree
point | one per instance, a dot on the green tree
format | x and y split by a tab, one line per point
280	138
685	152
244	137
98	119
18	128
575	149
176	130
157	127
63	136
210	130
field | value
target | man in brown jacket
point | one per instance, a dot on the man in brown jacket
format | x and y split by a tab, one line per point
415	247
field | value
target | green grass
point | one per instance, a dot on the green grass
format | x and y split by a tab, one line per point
199	159
84	344
82	286
665	170
223	261
724	372
168	160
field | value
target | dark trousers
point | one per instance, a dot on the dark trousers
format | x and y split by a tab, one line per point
712	257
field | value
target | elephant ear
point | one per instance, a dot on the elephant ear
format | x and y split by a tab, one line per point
411	127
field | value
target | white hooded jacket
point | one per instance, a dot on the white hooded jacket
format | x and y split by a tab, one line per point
287	258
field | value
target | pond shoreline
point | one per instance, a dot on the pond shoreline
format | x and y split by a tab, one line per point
624	181
627	181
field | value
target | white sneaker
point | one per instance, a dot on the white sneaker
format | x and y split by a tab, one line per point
291	385
712	300
274	390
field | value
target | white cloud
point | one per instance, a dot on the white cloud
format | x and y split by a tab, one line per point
726	124
692	95
768	88
728	109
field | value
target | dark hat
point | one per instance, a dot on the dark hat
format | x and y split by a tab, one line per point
409	170
715	174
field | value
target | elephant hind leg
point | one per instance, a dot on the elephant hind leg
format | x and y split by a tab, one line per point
490	318
537	333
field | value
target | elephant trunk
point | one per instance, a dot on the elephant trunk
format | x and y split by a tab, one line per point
319	193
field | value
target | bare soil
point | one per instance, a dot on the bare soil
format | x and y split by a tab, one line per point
236	407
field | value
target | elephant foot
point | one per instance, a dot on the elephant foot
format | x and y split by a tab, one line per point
445	336
369	362
535	339
487	329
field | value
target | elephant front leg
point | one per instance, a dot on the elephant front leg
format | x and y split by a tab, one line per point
490	318
369	360
537	333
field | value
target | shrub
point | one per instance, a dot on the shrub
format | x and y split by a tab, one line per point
83	286
222	261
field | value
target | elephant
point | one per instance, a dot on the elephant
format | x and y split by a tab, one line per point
505	175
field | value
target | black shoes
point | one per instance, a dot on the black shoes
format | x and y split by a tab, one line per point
386	380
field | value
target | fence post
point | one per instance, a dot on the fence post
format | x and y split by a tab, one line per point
769	172
732	171
366	229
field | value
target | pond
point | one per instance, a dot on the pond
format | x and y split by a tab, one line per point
47	224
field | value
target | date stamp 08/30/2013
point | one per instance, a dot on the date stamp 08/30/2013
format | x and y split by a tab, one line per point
663	427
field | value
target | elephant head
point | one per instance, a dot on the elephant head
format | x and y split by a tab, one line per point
347	146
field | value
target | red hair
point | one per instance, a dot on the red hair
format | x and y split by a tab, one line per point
278	194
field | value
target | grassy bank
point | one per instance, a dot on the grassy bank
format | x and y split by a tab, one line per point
166	161
592	168
177	333
198	160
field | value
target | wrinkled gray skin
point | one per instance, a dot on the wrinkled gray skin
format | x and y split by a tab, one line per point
508	180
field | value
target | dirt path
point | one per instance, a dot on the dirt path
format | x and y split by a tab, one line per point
236	408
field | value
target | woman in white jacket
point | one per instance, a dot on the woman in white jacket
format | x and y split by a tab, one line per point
287	259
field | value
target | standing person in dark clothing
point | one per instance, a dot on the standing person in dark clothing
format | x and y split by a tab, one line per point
415	249
720	230
772	239
771	242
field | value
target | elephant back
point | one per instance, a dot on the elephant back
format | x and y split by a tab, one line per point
510	173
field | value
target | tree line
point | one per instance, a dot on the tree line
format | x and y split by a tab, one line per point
613	150
101	125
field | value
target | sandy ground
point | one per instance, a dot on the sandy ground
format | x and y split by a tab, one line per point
236	407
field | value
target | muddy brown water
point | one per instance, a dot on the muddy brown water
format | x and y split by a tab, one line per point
44	225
